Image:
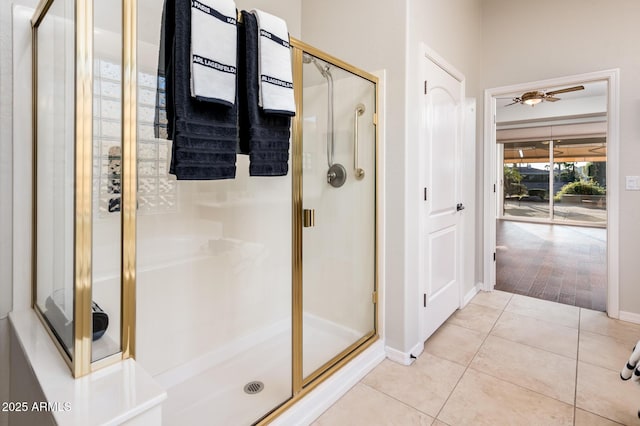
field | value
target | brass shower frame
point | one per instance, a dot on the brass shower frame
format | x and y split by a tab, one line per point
80	362
303	385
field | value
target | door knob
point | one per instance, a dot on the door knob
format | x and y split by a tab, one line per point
459	207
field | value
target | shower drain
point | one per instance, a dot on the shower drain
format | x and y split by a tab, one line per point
253	387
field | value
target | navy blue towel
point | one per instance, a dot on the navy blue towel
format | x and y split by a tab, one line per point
204	134
265	137
160	121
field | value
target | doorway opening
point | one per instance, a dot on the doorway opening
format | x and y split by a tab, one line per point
549	227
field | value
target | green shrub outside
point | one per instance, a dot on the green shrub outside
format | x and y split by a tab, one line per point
580	188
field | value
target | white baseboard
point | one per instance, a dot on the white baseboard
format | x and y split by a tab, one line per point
470	295
629	317
481	287
397	356
404	358
326	394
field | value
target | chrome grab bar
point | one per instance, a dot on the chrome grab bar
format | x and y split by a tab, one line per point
357	113
330	133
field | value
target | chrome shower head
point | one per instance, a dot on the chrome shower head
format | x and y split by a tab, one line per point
324	70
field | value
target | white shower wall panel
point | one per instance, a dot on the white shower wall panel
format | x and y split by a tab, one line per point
192	307
214	272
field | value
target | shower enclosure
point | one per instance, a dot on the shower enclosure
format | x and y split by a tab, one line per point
251	290
238	296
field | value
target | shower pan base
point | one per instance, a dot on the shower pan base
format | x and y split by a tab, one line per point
215	393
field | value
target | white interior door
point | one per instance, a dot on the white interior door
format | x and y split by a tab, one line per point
441	212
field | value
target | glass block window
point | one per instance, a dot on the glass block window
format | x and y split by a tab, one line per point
157	190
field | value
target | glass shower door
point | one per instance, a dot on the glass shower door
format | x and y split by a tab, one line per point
339	235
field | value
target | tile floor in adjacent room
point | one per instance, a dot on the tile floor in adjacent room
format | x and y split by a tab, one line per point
504	360
560	263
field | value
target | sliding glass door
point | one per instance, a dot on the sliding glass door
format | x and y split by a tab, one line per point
526	180
580	186
563	181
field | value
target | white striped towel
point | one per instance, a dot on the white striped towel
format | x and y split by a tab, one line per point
214	49
274	65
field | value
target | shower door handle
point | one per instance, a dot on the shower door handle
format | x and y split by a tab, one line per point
309	218
357	113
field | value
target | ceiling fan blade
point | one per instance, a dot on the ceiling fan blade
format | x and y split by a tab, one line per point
516	100
568	89
551	99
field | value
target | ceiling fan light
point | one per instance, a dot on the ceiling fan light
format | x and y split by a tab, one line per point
533	98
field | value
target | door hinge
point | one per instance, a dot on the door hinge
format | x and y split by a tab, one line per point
424	300
374	297
494	187
425	87
425	193
494	256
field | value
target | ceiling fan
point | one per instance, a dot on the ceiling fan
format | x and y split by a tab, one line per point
536	96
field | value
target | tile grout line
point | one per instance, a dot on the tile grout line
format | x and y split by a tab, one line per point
474	356
578	351
507	381
522	343
575	403
396	399
544	350
575	389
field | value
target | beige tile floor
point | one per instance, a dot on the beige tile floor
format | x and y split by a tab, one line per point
504	360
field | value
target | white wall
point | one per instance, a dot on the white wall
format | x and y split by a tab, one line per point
577	37
364	29
451	28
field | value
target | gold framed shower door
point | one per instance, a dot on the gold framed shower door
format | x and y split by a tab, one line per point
302	385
